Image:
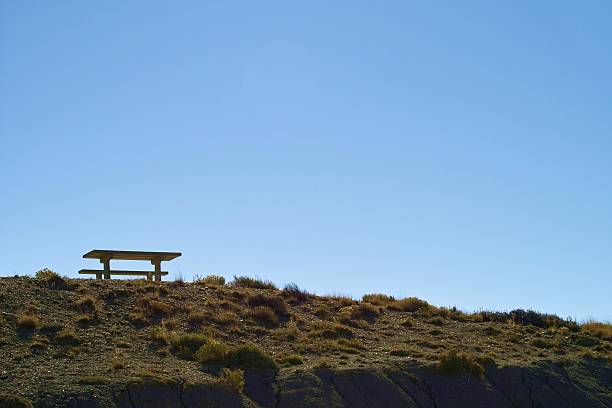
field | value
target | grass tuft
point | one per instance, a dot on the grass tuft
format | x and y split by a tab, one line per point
253	283
452	362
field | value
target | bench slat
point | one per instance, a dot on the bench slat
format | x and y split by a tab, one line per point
118	272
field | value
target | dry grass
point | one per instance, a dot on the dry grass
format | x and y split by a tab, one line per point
410	304
597	329
233	379
264	315
453	362
210	280
27	322
196	318
87	304
378	299
277	304
252	283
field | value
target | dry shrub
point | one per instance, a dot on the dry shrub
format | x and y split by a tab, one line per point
27	322
291	360
227	319
210	280
410	304
453	362
378	299
295	294
597	329
277	304
322	312
330	331
233	379
67	337
253	283
362	311
196	318
265	315
51	279
152	308
87	304
246	357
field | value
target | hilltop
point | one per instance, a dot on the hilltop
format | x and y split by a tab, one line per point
79	342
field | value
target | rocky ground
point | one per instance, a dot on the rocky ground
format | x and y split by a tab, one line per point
77	342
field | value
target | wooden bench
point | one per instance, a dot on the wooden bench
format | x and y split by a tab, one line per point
105	256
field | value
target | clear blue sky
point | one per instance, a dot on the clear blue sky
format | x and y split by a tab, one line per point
459	152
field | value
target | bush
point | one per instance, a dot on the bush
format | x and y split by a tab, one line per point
542	320
453	362
378	299
265	316
151	308
210	280
27	322
14	401
87	304
363	311
597	329
196	318
275	303
184	345
233	379
293	292
331	331
410	304
246	357
68	338
253	283
51	279
291	360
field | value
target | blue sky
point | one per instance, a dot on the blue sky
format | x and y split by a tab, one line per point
459	152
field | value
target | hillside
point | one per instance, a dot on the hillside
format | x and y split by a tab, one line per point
86	343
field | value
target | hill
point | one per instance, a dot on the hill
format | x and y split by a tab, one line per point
97	343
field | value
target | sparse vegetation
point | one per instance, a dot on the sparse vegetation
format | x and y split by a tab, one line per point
210	280
252	283
275	303
597	329
246	357
27	322
410	304
454	362
233	379
264	315
378	299
14	401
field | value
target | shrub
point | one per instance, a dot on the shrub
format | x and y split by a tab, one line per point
436	321
51	279
213	352
291	360
185	345
14	401
151	308
227	319
275	303
246	357
68	338
597	329
292	291
331	331
363	311
233	379
410	304
87	304
453	362
196	318
27	322
92	380
378	299
530	317
253	283
210	280
322	312
265	315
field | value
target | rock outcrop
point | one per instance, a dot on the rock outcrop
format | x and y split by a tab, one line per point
579	384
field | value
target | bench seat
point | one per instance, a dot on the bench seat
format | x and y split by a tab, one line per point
99	273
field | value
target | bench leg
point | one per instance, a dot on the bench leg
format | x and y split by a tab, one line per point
106	262
98	276
150	276
157	264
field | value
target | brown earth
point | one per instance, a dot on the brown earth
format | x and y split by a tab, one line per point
105	343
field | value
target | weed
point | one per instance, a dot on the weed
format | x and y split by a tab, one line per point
51	279
246	357
233	379
196	318
293	292
87	304
68	338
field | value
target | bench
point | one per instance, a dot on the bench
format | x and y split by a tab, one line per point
105	256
